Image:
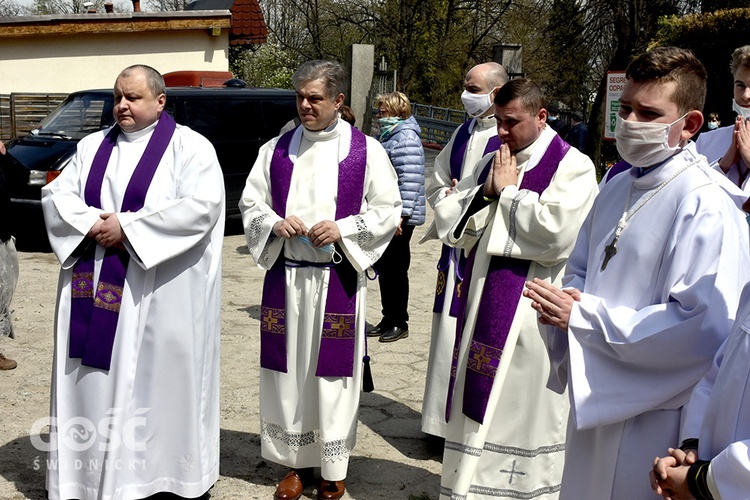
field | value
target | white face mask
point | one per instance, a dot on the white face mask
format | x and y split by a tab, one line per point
476	104
743	112
713	125
643	144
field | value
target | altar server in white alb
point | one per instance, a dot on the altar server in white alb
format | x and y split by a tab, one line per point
713	461
728	148
651	289
319	208
137	221
516	219
469	143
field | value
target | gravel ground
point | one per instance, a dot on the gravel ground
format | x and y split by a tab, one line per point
392	460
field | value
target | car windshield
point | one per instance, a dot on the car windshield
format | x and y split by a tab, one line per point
78	116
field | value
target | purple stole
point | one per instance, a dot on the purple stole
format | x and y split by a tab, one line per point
619	167
336	353
458	152
503	288
93	317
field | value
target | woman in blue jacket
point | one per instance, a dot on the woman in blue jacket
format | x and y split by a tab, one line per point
400	136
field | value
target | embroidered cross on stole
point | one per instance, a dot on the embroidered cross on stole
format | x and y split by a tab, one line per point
503	288
336	353
94	316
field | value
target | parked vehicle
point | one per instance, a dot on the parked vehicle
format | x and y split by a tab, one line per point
236	120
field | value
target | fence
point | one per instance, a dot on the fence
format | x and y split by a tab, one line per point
438	124
20	113
5	121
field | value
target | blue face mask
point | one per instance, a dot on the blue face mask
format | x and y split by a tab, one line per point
713	125
329	248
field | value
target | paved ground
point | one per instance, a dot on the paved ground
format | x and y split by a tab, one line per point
392	460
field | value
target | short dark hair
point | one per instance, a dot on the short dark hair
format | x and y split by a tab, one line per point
332	74
531	96
154	80
672	64
347	114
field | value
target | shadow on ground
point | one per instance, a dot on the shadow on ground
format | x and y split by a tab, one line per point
367	478
24	465
399	425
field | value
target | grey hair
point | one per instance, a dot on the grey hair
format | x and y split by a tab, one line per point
154	80
332	74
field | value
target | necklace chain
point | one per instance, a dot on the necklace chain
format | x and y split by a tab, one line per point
626	215
611	249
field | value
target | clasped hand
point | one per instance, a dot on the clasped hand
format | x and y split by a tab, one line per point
503	172
107	231
321	234
669	474
552	304
739	148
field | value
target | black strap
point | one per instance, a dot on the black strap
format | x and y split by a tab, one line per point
697	479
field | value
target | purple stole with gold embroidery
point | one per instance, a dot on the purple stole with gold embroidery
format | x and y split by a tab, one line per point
503	288
93	318
458	152
336	353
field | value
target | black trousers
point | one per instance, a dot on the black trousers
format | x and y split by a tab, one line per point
393	276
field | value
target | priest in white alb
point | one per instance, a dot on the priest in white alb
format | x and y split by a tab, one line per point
137	222
319	208
517	219
469	143
712	461
652	286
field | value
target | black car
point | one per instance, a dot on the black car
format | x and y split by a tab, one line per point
236	120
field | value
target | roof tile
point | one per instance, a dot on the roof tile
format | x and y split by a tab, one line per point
248	23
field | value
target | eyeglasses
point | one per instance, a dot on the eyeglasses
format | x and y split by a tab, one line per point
382	112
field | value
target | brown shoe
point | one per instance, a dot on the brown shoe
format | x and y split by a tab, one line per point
6	364
331	490
291	487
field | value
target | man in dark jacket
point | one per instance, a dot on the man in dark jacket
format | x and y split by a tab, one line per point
579	134
554	121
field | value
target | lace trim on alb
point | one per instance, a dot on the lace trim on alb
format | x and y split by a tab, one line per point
365	238
337	449
254	231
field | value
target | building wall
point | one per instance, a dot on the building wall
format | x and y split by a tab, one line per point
66	63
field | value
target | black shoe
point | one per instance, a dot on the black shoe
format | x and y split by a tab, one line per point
393	334
374	331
